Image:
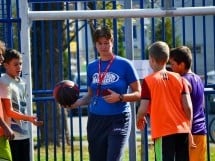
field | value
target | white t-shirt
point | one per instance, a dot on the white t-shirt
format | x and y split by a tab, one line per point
16	91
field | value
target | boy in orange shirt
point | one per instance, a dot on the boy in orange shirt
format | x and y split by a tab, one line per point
165	96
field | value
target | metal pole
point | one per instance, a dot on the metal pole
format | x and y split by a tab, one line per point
168	5
130	55
26	72
122	13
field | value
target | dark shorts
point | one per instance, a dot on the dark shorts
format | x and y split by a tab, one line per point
172	148
107	136
20	150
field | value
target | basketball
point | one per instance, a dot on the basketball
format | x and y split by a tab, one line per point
66	92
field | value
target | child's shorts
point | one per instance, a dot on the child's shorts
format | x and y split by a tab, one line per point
199	153
5	153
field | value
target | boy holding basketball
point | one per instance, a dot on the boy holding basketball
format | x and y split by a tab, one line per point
13	87
165	96
180	61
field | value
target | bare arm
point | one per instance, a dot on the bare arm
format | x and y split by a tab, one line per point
135	94
187	105
188	108
8	132
17	115
142	112
85	100
186	100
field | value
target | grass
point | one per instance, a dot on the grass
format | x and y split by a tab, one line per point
69	153
77	154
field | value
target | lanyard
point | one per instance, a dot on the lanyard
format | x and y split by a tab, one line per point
102	75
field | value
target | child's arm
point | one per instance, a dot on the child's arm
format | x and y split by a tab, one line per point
188	108
8	132
187	105
142	112
6	102
186	100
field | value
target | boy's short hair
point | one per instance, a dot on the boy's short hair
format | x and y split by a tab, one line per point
104	31
11	54
2	47
182	54
159	51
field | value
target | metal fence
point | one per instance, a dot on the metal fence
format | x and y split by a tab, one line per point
56	42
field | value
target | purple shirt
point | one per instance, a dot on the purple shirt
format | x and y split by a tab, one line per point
197	96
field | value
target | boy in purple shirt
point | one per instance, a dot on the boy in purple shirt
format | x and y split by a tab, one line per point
180	61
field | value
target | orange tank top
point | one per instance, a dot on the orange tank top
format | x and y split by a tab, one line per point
166	111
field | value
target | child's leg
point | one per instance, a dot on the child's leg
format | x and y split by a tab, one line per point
172	148
198	153
182	147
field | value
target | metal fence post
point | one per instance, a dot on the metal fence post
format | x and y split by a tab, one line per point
25	49
130	55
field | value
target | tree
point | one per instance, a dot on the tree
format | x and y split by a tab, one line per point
164	32
166	28
109	22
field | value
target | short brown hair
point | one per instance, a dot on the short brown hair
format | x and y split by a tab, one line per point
104	31
11	54
182	54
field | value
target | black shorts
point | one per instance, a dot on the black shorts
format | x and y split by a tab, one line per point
173	147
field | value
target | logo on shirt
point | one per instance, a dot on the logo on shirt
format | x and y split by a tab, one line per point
108	78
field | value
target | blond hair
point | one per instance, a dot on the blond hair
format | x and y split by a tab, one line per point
159	51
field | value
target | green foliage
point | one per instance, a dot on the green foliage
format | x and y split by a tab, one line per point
109	22
168	32
164	32
65	64
121	48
